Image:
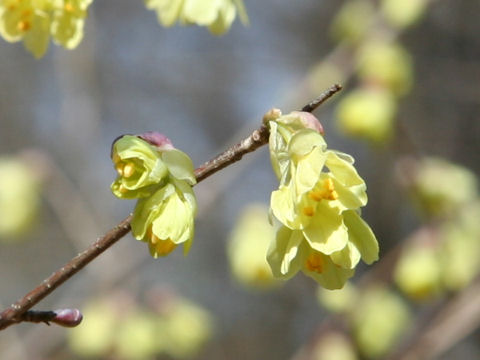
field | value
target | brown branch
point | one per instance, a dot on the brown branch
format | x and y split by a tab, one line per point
17	312
453	321
13	314
312	105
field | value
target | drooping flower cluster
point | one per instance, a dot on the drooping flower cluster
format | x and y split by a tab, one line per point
217	15
161	177
34	21
317	203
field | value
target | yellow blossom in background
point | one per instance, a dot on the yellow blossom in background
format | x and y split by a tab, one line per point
68	20
367	114
338	301
26	20
403	13
379	320
333	346
440	187
19	197
460	247
418	271
34	21
248	246
387	65
217	15
136	335
185	328
353	21
94	336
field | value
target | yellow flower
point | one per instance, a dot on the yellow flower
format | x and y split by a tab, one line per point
19	197
248	244
33	21
68	20
318	200
368	114
217	15
27	20
166	218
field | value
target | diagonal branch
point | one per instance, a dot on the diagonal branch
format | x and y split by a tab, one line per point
18	311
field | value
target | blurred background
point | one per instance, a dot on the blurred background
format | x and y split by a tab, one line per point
408	114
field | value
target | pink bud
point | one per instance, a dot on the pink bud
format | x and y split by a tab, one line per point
67	317
157	139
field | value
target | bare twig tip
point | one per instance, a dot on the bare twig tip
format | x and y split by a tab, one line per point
312	105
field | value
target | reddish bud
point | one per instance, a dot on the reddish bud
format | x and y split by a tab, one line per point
67	317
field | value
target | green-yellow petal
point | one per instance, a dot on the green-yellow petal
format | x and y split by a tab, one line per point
146	209
361	236
279	156
225	17
283	254
282	203
201	12
168	11
303	141
326	231
36	39
309	169
179	165
174	220
348	257
325	272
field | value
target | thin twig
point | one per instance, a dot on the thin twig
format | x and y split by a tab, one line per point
312	105
15	313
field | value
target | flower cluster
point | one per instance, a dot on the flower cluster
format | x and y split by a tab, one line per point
34	21
161	177
218	15
317	203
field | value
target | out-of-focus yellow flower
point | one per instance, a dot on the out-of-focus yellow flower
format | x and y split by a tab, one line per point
217	15
402	13
460	247
27	20
334	346
418	272
33	21
386	64
379	320
367	114
186	327
338	301
353	21
441	188
19	197
68	21
248	246
137	336
95	335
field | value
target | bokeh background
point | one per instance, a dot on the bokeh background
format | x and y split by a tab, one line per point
130	75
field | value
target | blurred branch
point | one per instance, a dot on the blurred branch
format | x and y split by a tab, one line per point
455	319
15	313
